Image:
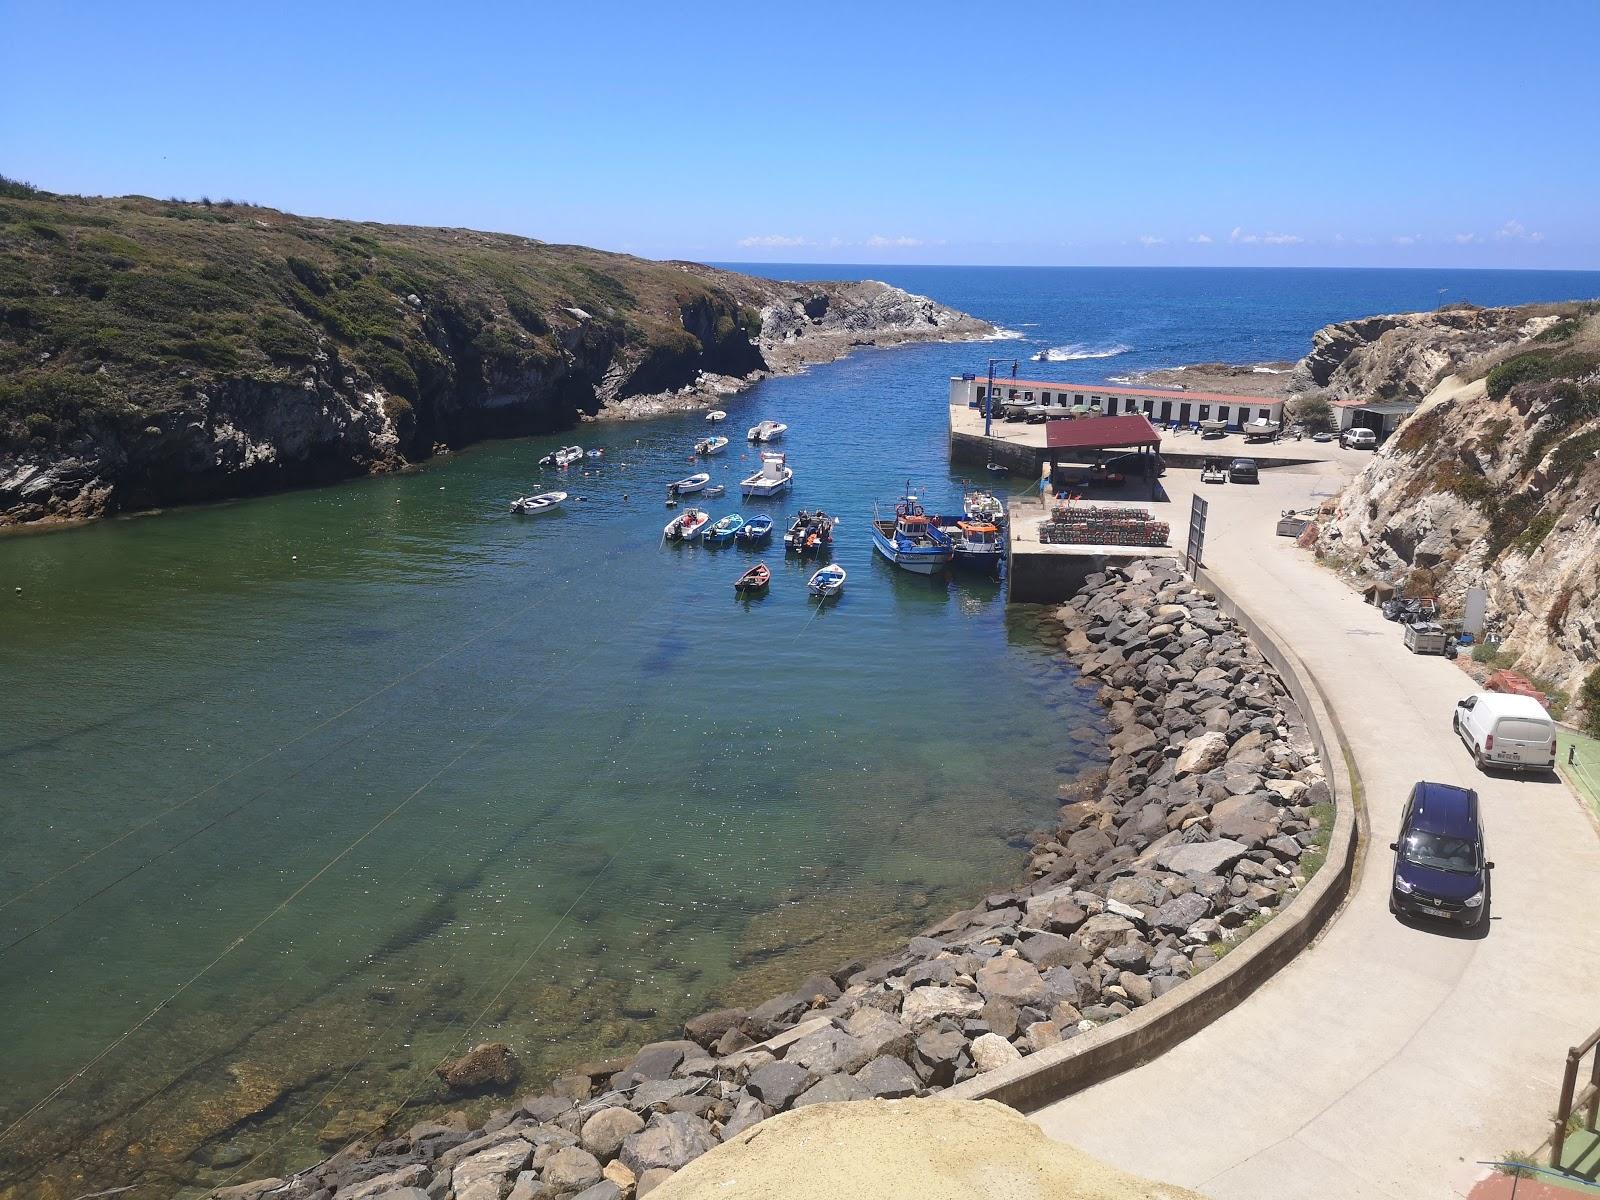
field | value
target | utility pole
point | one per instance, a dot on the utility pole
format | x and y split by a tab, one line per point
988	397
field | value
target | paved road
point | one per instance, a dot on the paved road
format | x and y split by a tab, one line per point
1387	1058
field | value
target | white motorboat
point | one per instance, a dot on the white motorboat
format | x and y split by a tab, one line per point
711	445
984	506
827	582
767	431
692	484
716	489
686	526
549	460
568	455
543	502
775	475
716	414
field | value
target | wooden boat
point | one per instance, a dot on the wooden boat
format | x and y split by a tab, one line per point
753	580
767	431
686	526
716	489
716	414
692	484
775	475
725	529
711	445
543	502
829	581
568	455
756	529
911	541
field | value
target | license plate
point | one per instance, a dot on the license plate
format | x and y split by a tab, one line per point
1432	909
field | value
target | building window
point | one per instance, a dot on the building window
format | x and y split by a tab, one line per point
1205	412
1077	397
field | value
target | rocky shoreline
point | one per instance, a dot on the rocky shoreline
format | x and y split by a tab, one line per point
1211	815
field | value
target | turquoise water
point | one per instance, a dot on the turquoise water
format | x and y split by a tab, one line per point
454	775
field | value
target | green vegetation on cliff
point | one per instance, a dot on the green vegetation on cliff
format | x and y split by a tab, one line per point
116	311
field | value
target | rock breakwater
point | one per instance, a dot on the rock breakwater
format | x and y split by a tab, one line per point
1210	816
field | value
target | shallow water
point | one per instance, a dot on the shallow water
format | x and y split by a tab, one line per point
303	793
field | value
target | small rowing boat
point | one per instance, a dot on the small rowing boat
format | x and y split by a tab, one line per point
568	455
686	526
711	445
543	502
716	414
692	484
725	529
753	580
756	529
827	582
716	489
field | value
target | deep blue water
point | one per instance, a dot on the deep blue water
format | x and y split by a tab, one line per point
1141	318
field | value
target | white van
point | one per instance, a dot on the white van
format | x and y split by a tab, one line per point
1360	439
1505	730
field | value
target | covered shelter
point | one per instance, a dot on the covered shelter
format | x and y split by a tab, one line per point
1089	438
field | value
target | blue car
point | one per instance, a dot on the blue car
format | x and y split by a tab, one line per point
1439	867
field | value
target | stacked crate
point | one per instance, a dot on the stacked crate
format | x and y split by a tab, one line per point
1100	525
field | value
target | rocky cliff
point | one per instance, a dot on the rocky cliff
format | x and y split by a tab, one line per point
1494	481
159	352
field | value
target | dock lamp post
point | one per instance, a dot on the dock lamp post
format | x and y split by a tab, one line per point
988	397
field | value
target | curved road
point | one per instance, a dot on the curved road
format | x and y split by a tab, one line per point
1388	1058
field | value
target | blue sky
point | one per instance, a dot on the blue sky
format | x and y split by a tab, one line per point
1387	134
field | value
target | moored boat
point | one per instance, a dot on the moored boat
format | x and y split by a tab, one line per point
911	541
809	533
711	445
984	506
568	455
597	454
692	484
753	580
766	431
686	526
716	414
543	502
549	460
775	475
716	489
756	529
725	529
977	544
829	581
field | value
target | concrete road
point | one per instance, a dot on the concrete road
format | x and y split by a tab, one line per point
1387	1058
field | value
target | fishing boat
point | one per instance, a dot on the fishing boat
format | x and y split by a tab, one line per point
753	580
568	455
716	489
716	414
911	541
984	506
725	529
692	484
543	502
809	533
767	431
827	582
775	475
686	526
711	445
977	544
756	529
995	468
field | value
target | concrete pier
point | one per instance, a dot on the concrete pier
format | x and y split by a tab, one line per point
1042	573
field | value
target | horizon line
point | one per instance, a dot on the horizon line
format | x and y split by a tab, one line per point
796	262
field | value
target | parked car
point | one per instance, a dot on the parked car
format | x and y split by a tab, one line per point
1133	465
1503	729
1359	439
1243	470
1322	435
1440	870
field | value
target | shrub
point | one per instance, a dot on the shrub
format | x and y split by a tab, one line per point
1589	695
1314	411
1535	533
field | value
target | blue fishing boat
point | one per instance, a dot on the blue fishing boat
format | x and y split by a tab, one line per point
725	529
912	541
756	530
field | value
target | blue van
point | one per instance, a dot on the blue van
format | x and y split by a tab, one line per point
1439	868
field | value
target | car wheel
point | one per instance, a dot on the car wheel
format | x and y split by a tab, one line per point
1477	758
1394	909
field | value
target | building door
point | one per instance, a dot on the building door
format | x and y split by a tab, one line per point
1166	410
1183	413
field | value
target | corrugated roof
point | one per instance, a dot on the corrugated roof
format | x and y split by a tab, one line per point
1101	433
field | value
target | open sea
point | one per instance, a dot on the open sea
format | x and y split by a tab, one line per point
300	794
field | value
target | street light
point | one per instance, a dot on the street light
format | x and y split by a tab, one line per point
988	397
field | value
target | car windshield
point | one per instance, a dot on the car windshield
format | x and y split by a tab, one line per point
1439	852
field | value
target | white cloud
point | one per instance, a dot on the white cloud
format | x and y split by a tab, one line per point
877	241
772	241
1240	237
1201	239
1517	231
1150	239
1467	239
1406	239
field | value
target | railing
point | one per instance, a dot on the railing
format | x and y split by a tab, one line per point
1587	1100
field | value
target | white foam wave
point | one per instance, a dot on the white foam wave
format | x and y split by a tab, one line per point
1077	352
1002	334
1270	370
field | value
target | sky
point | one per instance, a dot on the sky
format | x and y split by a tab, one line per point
1456	133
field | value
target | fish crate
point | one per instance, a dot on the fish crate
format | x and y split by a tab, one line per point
1091	525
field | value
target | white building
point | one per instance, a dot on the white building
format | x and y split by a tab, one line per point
1380	416
1112	399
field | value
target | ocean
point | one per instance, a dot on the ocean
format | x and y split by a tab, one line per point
305	792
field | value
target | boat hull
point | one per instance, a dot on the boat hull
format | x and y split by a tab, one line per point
918	561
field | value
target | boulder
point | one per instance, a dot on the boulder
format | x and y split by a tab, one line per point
671	1140
527	1187
652	1179
778	1083
603	1133
605	1189
571	1170
1181	912
888	1078
1100	931
747	1111
990	1052
707	1029
1250	819
925	1004
659	1059
834	1089
1055	912
879	1032
828	1052
1011	979
1202	858
1046	950
487	1174
1200	754
620	1174
486	1065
